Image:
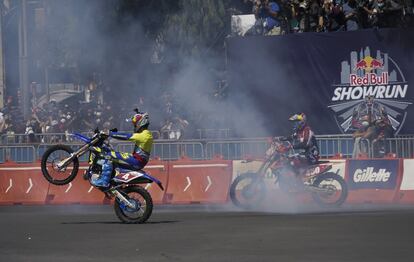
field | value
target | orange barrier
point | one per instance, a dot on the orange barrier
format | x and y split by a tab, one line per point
205	181
159	170
79	191
22	184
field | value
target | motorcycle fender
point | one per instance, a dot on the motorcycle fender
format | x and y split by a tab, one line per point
151	179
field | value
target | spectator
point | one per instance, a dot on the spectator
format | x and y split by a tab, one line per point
174	128
2	123
332	17
166	129
88	121
362	136
383	13
8	130
351	15
315	11
267	21
383	130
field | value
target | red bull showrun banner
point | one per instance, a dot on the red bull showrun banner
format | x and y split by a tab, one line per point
338	79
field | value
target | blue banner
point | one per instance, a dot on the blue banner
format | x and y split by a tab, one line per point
329	76
372	174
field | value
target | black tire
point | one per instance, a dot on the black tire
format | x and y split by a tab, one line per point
124	215
321	198
250	196
65	180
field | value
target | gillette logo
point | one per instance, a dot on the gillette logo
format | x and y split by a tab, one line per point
368	175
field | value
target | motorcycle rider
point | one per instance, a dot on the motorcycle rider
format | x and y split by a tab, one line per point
303	139
143	140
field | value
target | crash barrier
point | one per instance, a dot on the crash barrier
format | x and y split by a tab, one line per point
198	181
370	181
184	181
233	149
374	180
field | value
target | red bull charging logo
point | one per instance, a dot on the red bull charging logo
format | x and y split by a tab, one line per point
370	74
368	65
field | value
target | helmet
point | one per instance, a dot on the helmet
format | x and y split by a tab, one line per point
299	121
140	120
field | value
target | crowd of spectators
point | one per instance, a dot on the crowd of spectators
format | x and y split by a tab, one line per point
274	17
53	121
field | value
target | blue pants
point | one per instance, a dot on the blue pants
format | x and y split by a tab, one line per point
137	160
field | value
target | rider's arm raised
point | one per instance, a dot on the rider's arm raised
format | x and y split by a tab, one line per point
120	136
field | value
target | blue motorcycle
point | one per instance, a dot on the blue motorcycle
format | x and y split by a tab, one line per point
133	204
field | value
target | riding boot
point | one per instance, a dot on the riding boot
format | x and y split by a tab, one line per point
103	180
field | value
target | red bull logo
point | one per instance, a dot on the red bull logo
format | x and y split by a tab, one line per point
369	63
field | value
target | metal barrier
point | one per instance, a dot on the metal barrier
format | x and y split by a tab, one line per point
18	154
40	150
171	150
232	150
49	138
2	154
402	147
329	146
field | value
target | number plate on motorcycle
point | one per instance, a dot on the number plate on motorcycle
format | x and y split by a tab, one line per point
126	177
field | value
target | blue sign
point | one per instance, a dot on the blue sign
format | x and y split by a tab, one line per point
330	80
372	174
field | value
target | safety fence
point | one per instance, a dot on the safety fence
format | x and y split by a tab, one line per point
185	181
49	138
338	146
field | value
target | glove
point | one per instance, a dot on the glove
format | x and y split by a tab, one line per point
104	133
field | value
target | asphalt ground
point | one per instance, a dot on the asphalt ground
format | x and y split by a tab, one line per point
205	233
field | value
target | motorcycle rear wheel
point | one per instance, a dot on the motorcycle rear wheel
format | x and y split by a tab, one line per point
143	201
247	191
330	181
51	157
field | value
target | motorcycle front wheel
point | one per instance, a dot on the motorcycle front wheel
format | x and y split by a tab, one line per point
142	202
50	159
333	190
247	191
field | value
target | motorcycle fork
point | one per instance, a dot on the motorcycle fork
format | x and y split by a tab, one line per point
119	196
